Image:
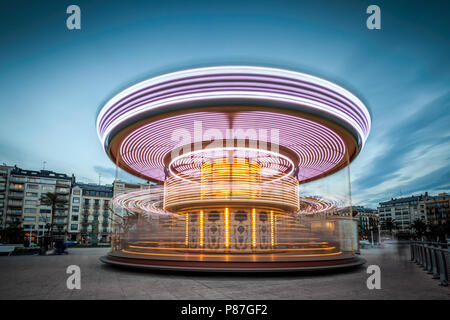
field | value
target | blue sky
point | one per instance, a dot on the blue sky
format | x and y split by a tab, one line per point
53	80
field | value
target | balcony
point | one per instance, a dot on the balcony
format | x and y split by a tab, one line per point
63	198
13	203
16	187
17	179
14	213
61	214
63	183
15	195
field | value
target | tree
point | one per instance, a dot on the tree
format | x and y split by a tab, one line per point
54	200
388	224
419	227
437	232
13	233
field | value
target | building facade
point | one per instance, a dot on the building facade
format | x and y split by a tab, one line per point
4	190
23	204
84	211
437	209
90	213
432	210
368	221
403	211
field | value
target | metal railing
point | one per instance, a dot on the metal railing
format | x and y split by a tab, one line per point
434	257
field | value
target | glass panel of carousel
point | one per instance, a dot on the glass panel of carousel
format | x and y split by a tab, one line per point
246	221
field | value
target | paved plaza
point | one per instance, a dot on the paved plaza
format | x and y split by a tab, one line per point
44	277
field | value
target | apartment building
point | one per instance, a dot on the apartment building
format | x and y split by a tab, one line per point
403	211
4	183
24	205
368	218
437	209
90	213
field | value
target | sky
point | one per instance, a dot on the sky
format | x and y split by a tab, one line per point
53	81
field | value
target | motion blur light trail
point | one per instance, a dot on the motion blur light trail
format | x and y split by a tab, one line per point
230	150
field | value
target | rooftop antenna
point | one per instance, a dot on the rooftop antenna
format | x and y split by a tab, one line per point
99	178
43	165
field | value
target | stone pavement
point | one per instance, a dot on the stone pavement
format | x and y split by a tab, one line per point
44	277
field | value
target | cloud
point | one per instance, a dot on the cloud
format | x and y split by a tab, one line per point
415	156
111	174
105	172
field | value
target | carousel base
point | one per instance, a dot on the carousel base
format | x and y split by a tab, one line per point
275	264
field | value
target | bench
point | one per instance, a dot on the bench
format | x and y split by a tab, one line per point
8	249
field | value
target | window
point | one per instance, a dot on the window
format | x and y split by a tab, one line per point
86	202
96	202
48	188
74	227
74	218
17	186
29	219
76	200
29	210
49	181
30	202
31	194
33	186
76	192
33	179
45	211
75	209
